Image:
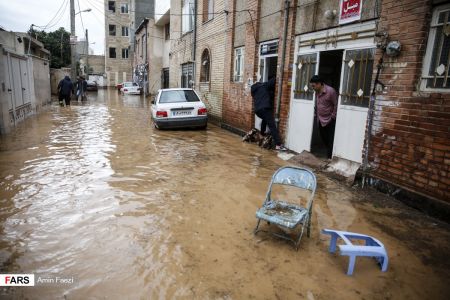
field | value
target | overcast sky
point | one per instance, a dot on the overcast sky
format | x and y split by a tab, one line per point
18	15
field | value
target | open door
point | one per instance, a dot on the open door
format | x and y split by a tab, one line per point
301	117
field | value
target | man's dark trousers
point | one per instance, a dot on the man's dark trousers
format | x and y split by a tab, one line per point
267	119
327	135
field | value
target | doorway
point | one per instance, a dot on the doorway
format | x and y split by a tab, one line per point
330	65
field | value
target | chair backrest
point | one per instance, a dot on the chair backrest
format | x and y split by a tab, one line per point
295	176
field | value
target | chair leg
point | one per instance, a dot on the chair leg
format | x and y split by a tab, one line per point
351	264
257	226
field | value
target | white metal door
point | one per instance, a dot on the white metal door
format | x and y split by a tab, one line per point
301	116
16	81
24	81
354	96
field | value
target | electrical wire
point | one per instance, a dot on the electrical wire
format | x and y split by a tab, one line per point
81	18
56	14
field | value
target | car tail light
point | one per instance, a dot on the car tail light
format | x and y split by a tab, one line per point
202	111
125	90
161	114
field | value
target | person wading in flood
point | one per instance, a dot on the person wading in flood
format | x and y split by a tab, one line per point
326	109
263	94
81	87
65	87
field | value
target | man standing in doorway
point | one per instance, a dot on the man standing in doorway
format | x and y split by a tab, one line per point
326	109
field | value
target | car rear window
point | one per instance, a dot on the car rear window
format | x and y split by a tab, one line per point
178	96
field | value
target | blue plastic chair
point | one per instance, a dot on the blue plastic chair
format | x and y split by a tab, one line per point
372	248
284	214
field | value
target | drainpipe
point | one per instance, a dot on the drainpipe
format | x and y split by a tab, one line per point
287	4
146	62
194	44
370	119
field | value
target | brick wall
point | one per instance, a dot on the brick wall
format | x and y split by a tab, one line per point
211	35
410	140
237	101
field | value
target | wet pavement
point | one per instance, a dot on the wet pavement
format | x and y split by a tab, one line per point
94	194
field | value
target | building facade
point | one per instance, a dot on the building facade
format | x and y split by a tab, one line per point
24	78
121	21
152	48
409	145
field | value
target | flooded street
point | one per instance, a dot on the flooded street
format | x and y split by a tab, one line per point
93	193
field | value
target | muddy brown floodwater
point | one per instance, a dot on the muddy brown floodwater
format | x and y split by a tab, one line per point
94	194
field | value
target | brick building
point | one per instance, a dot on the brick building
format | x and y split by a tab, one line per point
342	41
121	20
410	141
198	34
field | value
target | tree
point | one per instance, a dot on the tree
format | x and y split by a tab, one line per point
58	43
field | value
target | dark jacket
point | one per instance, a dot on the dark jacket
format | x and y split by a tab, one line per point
65	86
263	94
82	85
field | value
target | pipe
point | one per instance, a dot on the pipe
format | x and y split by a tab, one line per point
370	119
287	4
194	46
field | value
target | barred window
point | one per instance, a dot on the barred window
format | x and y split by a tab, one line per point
305	68
357	77
187	71
435	73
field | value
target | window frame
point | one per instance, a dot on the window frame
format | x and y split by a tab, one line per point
127	31
123	4
115	53
241	64
208	10
109	30
127	52
190	17
432	32
113	10
205	76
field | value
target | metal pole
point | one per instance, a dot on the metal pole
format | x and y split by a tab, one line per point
194	47
287	4
146	80
73	65
87	55
370	120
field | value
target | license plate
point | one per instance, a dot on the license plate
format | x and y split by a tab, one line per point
178	113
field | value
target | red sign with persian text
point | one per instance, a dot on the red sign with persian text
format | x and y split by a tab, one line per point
350	10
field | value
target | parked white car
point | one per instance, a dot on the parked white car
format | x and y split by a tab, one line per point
130	88
178	108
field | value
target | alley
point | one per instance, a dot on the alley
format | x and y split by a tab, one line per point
93	193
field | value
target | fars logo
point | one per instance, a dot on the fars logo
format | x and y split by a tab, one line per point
16	279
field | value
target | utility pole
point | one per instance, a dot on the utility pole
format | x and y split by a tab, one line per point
73	65
87	55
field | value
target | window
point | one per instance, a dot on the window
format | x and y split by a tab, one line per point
435	73
167	31
178	96
238	64
165	78
357	77
187	16
112	52
187	71
112	6
112	30
208	10
205	66
124	31
305	69
124	8
125	53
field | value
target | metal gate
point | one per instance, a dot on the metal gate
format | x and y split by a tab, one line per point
17	74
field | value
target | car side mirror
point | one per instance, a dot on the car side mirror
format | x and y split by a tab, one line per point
153	101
